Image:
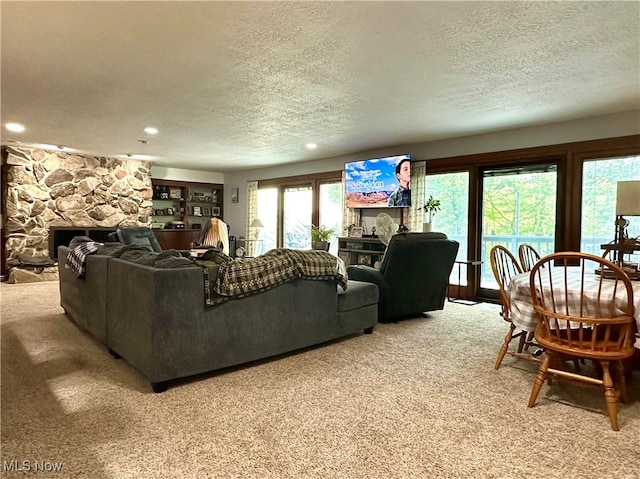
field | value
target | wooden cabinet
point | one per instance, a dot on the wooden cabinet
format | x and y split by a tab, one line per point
176	239
189	202
366	251
203	201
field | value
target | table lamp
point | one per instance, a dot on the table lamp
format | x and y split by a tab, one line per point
627	204
256	223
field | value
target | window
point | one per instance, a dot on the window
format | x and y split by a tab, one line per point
598	210
297	217
578	222
268	214
452	189
289	206
518	206
330	211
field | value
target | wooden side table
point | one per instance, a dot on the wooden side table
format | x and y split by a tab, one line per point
458	299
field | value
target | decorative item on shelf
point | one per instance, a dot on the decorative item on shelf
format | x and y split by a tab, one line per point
206	211
164	195
175	225
170	211
364	259
159	212
215	211
196	226
431	207
355	232
320	237
157	225
197	211
175	193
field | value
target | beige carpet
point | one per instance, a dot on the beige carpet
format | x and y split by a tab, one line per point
419	399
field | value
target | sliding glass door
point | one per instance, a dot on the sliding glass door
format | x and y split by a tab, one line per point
518	206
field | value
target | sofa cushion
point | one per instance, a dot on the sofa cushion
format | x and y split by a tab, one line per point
357	295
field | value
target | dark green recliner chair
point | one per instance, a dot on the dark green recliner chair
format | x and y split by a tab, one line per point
138	235
414	274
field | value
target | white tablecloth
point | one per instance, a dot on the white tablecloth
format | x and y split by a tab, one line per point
523	314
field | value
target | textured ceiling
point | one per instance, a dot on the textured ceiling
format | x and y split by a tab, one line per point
246	84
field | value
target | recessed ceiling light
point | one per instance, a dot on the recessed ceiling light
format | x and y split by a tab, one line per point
14	127
151	130
312	146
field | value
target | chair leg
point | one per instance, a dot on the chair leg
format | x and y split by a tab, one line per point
539	380
621	380
610	395
505	346
521	342
529	341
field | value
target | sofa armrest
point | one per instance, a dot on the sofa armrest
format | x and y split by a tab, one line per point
368	274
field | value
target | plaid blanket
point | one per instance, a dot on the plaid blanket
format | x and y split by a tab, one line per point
78	255
227	278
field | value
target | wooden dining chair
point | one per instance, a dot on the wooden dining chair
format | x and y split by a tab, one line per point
505	266
598	311
528	256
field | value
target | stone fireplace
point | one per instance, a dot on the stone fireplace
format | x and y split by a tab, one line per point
52	189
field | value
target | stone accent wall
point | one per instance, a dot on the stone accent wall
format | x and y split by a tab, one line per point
45	189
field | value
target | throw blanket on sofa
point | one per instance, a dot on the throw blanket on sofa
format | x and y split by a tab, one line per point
227	278
78	256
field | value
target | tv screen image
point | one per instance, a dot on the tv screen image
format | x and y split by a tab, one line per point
374	184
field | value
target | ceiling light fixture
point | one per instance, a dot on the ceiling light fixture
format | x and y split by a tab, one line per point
14	127
151	130
311	146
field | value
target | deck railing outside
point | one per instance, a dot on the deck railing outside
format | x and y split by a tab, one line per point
544	245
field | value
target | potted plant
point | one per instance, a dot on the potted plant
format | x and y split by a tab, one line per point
431	207
320	236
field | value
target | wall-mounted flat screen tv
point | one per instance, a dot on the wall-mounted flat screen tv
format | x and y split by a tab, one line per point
378	182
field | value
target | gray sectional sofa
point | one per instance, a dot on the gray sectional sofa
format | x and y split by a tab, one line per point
156	318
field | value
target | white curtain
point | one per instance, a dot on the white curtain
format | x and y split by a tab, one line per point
350	216
252	213
418	185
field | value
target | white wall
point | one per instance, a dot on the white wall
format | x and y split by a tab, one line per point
177	174
606	126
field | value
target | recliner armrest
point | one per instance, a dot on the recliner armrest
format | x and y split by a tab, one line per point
365	273
372	275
